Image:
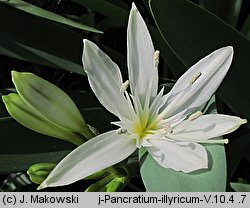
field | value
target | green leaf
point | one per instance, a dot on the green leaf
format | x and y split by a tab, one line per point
26	37
157	178
166	53
106	8
210	5
246	27
34	10
240	187
10	163
229	10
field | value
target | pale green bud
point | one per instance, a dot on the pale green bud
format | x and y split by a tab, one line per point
44	108
39	172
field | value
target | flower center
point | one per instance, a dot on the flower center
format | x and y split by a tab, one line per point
144	128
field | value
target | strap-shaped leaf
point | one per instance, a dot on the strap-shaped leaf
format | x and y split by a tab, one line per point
28	38
104	7
34	10
10	163
246	27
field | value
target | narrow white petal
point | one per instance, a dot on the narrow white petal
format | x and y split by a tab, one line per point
185	157
204	78
206	127
141	51
105	79
98	153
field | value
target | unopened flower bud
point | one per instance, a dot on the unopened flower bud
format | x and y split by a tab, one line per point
39	171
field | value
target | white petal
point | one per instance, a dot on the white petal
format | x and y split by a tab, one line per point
98	153
33	120
206	127
105	79
48	100
185	157
141	69
212	70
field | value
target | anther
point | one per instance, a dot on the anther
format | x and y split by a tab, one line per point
168	128
121	131
124	86
195	115
195	77
156	58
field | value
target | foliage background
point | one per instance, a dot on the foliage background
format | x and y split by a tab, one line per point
48	42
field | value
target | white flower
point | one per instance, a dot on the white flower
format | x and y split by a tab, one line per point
168	126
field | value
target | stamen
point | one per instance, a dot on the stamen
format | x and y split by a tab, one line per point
195	77
121	131
124	86
214	141
195	115
168	128
168	139
156	58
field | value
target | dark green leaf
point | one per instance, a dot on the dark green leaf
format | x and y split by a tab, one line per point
246	28
10	163
106	8
37	11
236	149
27	37
210	5
229	10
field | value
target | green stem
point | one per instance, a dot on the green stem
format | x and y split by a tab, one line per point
87	133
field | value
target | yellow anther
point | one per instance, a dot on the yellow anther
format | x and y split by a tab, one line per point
156	58
124	86
168	128
195	115
121	131
195	77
